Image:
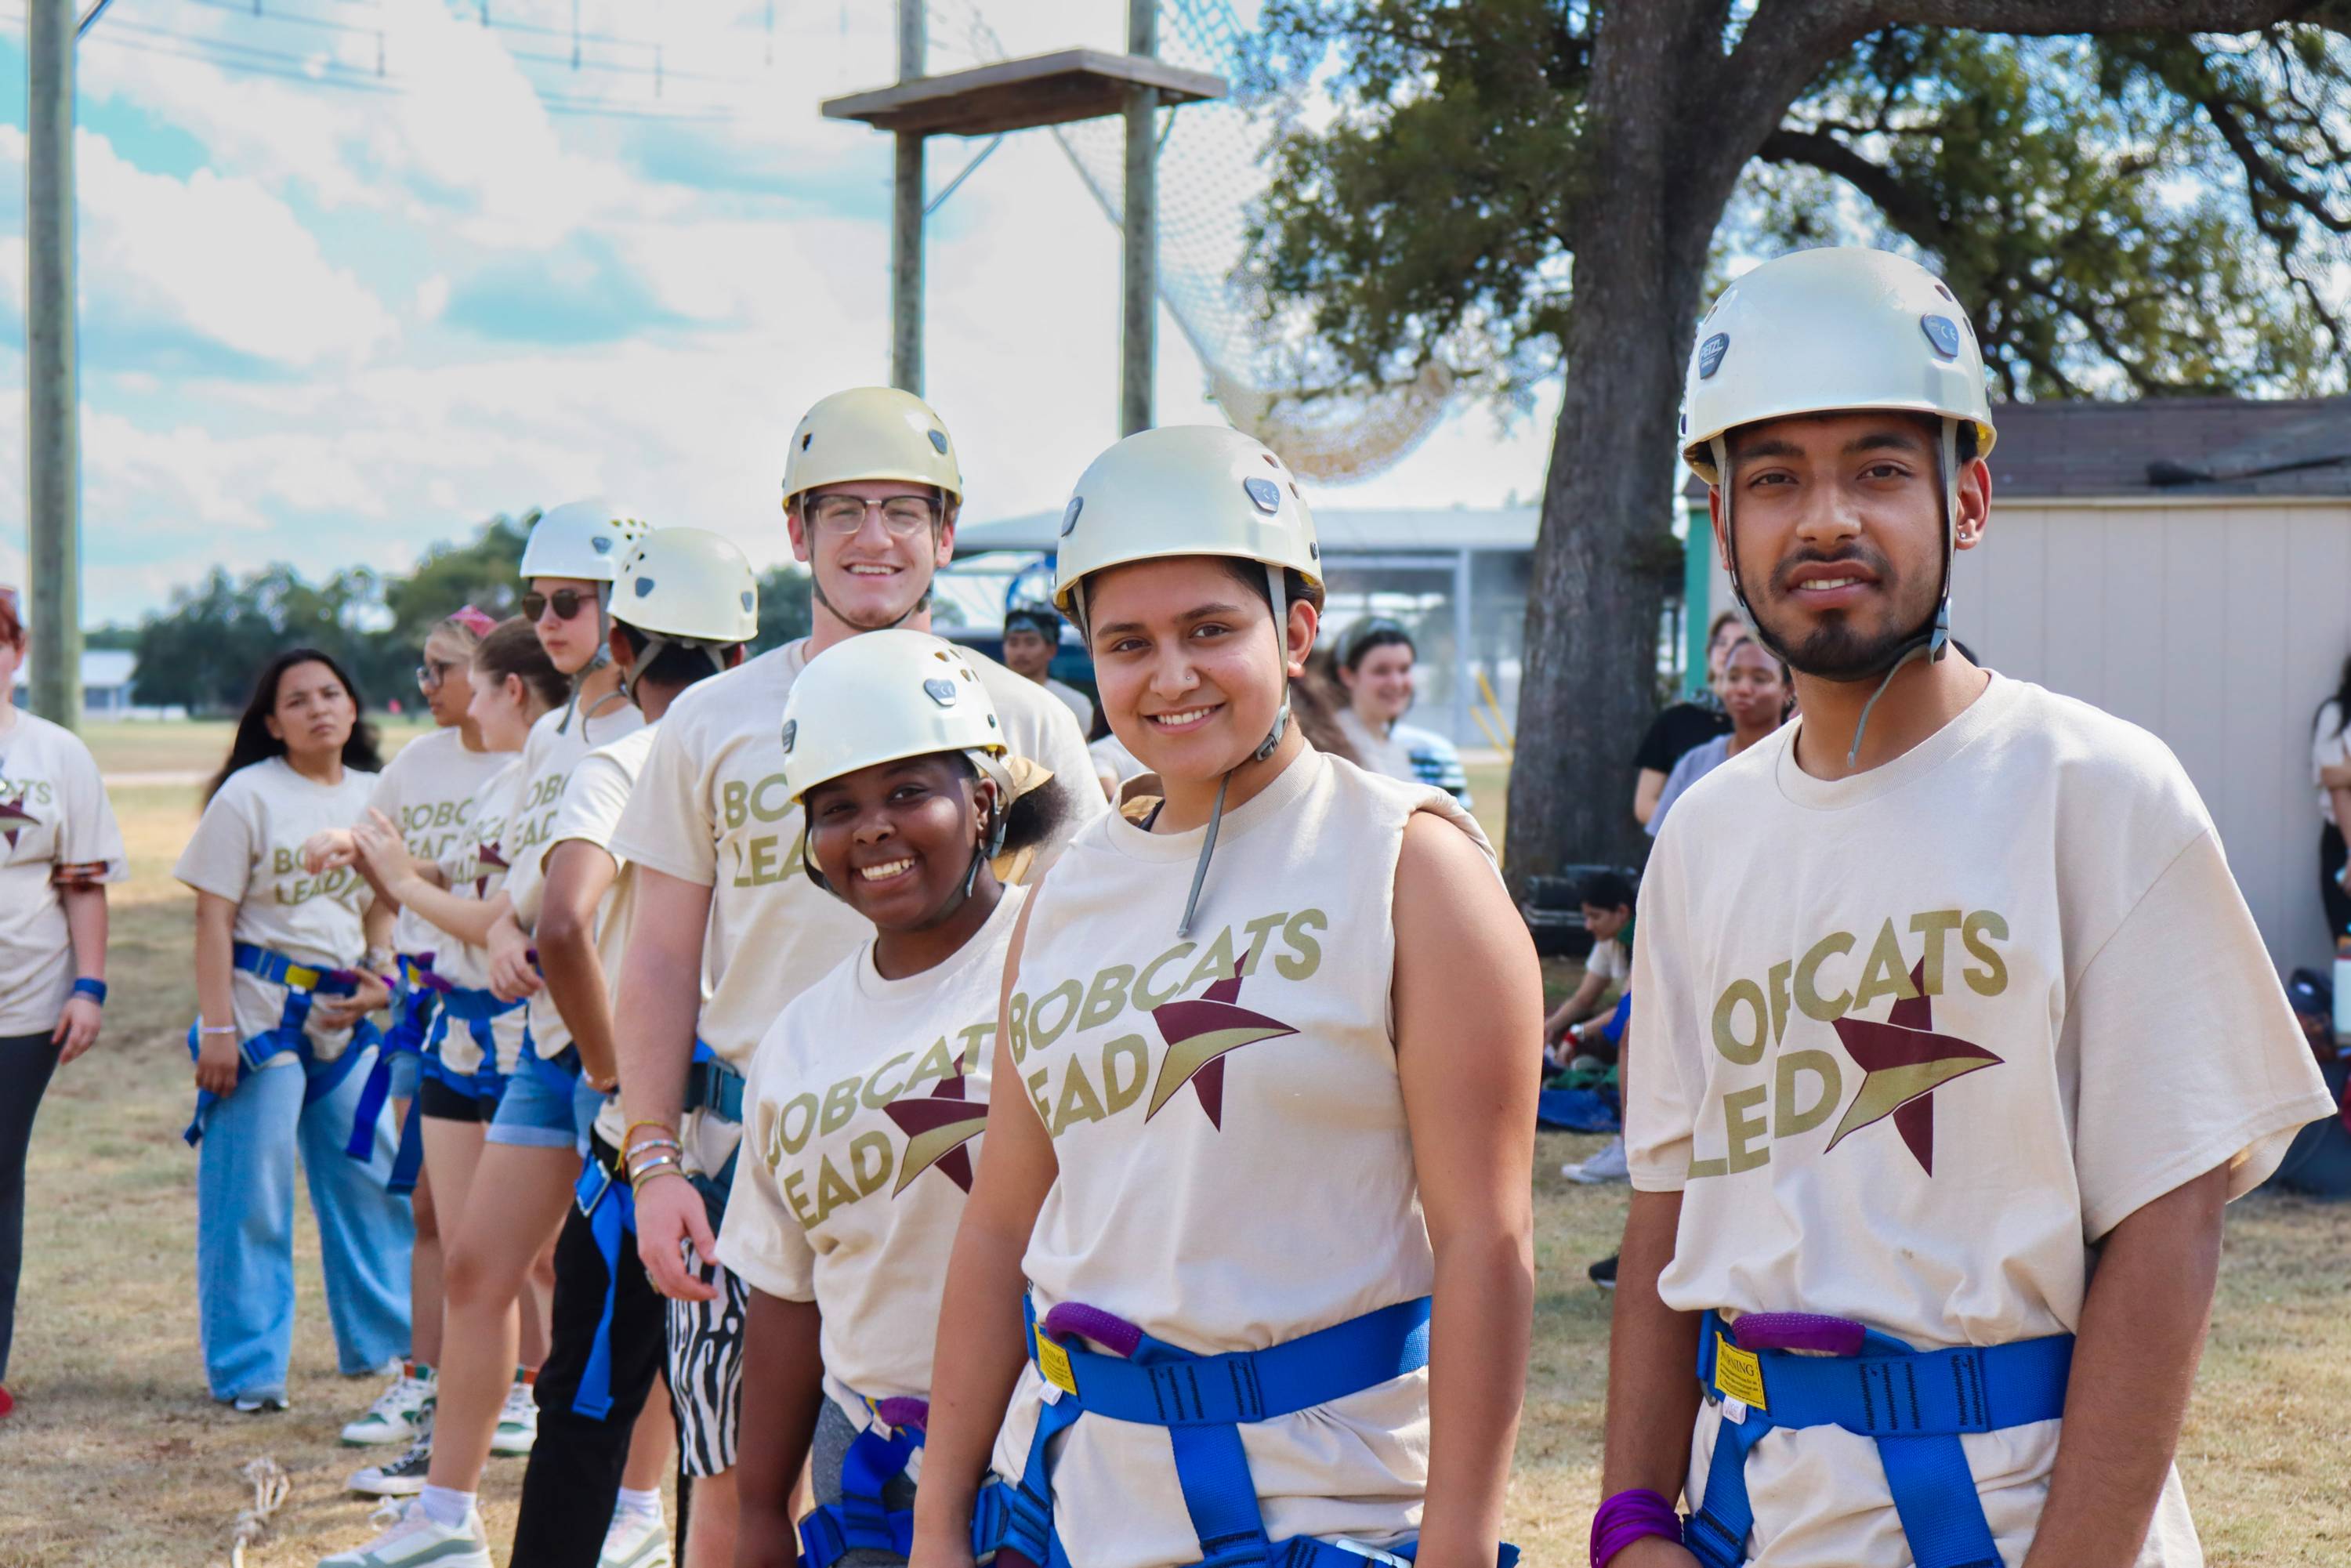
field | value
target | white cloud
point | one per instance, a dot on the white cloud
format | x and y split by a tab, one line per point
389	435
219	258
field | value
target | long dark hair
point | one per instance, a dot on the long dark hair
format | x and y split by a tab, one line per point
2341	701
254	743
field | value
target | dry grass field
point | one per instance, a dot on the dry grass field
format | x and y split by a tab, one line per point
117	1457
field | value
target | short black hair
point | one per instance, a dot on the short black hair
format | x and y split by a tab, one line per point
1604	890
677	665
1035	618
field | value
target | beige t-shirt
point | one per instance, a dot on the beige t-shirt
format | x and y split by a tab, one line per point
477	868
1236	1170
864	1108
428	789
53	812
592	804
248	849
548	757
1911	1042
1078	703
713	808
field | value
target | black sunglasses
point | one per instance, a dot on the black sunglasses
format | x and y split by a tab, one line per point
567	603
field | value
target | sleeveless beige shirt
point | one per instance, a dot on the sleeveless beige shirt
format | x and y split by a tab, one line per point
1235	1165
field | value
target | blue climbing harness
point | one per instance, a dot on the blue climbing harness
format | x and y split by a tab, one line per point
1915	1403
413	1004
302	982
1203	1401
474	1007
715	1089
874	1458
610	1210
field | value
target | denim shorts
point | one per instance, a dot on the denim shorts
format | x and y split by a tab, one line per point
406	1069
536	1111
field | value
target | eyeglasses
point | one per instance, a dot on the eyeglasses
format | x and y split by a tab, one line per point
902	515
431	673
567	603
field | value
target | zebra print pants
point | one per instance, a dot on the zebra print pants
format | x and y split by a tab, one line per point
705	1361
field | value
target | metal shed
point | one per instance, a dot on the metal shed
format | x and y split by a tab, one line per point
2185	564
1456	576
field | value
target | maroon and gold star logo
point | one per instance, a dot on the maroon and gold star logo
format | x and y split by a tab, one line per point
489	858
938	1127
1903	1062
12	813
1199	1034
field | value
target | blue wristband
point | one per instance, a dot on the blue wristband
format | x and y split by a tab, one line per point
94	989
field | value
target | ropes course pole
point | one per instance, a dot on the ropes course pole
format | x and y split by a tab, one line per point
906	215
1140	228
52	428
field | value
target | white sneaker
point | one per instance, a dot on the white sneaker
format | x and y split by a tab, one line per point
265	1403
1607	1165
517	1422
416	1541
397	1414
635	1540
403	1477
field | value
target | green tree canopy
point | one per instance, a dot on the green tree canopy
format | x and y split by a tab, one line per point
2132	197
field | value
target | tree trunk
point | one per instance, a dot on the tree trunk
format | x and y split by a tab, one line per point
1589	678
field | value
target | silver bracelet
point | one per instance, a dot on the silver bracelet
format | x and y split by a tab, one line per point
216	1028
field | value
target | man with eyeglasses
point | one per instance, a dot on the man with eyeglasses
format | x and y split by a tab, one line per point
871	491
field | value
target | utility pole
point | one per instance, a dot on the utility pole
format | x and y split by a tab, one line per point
906	201
1138	350
52	426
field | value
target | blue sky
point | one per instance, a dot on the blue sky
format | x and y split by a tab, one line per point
333	325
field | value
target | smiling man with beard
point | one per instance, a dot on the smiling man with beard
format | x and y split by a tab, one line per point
1955	1036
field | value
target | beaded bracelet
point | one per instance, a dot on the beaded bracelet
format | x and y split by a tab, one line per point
1631	1516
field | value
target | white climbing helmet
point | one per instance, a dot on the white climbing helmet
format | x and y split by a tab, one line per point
1180	490
687	585
1843	329
870	433
584	539
1191	490
882	696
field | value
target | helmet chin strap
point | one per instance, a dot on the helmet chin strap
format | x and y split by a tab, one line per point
1275	590
602	657
652	643
1933	642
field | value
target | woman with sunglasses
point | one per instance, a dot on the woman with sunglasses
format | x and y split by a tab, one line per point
477	1052
427	789
1372	673
1272	1055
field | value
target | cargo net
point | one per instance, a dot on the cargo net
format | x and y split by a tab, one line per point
1267	372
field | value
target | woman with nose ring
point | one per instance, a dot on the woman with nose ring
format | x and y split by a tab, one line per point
1247	1275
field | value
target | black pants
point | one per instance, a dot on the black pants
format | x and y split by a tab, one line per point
2330	866
574	1475
25	1063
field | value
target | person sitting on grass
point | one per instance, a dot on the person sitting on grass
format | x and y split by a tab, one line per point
1607	900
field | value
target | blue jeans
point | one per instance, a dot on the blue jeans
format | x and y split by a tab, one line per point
244	1231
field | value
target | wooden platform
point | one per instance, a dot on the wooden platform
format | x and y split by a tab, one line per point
1018	94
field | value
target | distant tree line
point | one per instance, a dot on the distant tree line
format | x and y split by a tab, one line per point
201	653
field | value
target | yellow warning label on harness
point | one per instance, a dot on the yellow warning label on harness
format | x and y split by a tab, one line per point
1738	1373
1054	1363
